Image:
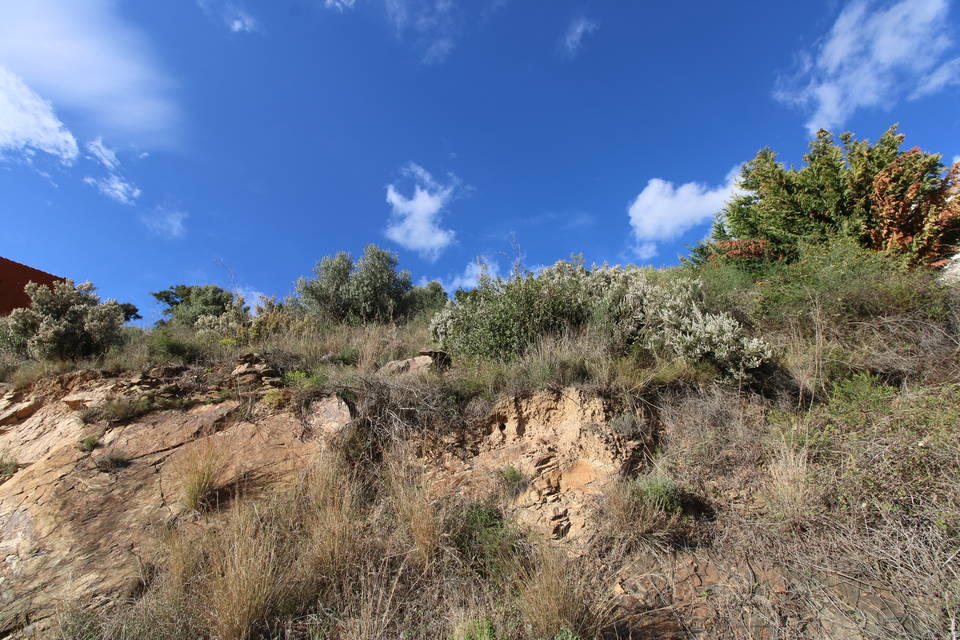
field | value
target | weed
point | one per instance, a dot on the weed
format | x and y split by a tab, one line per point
8	466
512	481
111	460
88	444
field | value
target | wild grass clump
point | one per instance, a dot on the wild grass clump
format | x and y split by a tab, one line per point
644	511
558	598
512	481
124	410
200	475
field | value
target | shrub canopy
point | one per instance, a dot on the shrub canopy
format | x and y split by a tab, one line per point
64	322
501	318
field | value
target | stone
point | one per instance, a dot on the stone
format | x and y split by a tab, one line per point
419	364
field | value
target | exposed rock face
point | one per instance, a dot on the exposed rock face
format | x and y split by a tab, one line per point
560	443
70	530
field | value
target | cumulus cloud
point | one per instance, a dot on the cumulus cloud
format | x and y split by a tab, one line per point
116	188
873	56
956	159
573	38
28	122
432	25
664	211
166	222
84	57
415	221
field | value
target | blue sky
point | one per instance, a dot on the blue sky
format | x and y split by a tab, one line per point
145	144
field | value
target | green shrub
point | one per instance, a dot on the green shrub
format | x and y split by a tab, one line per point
64	322
484	539
512	481
187	303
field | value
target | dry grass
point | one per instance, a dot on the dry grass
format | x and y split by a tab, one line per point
418	512
790	493
639	513
556	594
200	471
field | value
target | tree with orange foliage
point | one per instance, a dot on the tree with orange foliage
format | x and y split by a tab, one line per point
884	198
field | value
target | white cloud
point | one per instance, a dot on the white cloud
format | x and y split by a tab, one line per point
415	221
103	154
956	159
166	222
85	58
872	58
470	277
663	211
251	297
243	23
232	15
28	122
646	250
573	38
432	24
115	187
339	5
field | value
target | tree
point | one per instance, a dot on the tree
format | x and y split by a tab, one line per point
64	322
186	303
882	197
372	289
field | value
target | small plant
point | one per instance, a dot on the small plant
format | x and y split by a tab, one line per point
512	481
484	539
122	411
88	444
8	466
478	629
111	460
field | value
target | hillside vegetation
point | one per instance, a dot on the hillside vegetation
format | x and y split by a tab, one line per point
791	391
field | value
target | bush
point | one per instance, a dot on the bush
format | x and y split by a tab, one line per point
369	290
64	322
500	319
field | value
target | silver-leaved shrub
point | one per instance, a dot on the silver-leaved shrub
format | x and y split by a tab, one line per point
64	322
500	318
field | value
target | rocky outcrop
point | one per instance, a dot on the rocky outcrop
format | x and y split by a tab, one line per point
560	444
73	528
